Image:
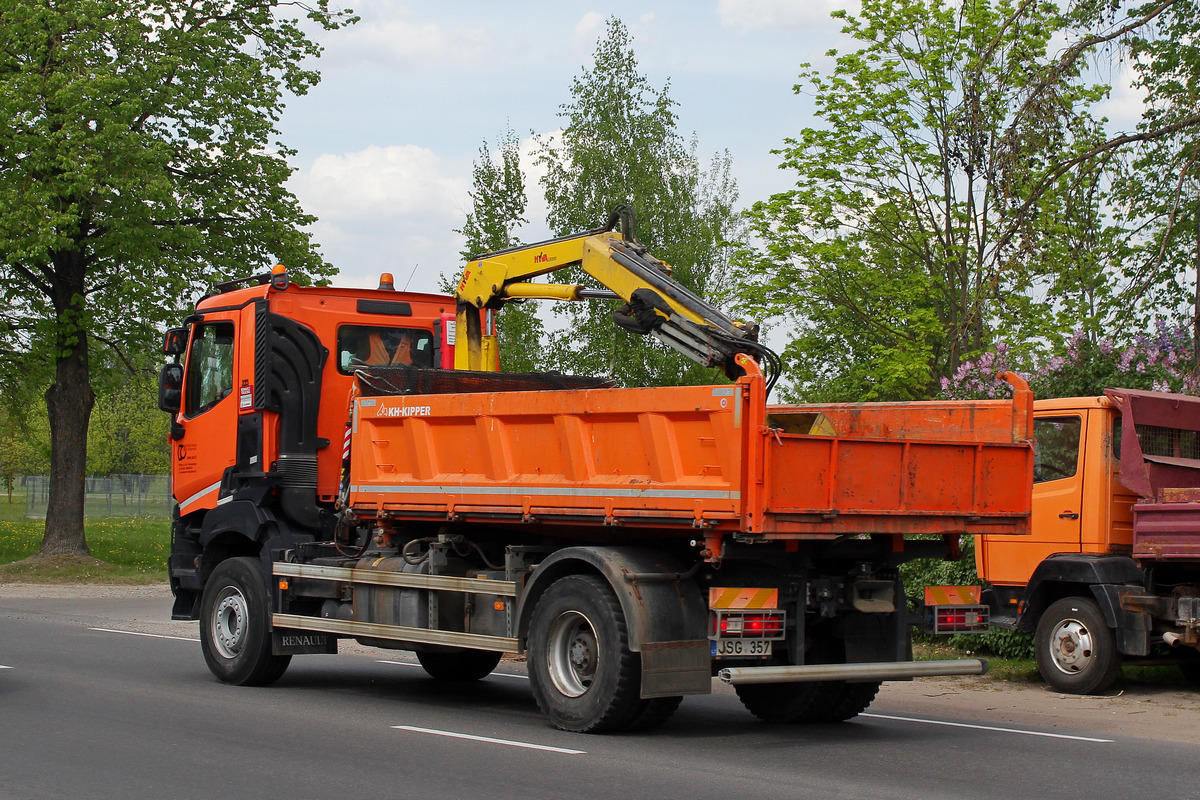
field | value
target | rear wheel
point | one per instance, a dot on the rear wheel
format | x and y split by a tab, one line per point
1075	649
855	698
655	712
791	702
584	676
463	665
235	625
1190	667
815	701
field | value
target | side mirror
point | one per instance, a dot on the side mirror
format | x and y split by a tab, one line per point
175	342
170	384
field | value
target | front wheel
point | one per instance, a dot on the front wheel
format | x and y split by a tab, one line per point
584	677
1075	649
235	625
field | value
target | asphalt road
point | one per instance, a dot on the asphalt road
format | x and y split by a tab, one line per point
106	698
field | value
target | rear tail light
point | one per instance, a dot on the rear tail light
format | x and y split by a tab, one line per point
748	625
956	619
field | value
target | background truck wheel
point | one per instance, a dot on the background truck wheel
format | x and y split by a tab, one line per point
1075	649
463	665
584	677
235	625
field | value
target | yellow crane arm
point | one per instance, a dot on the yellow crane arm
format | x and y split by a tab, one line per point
655	303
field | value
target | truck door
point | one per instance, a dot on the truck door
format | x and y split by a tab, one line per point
1057	504
209	414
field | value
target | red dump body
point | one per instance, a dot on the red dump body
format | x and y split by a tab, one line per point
681	458
1160	462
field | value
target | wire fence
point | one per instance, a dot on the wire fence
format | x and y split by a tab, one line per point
108	496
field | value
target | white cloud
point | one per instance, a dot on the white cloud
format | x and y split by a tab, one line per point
386	209
754	15
393	36
588	30
396	180
1125	104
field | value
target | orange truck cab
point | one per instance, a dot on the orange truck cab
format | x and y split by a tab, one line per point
1111	568
252	416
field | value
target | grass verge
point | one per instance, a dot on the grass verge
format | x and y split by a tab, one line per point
124	550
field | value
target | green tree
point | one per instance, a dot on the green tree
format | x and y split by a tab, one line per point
128	435
620	144
24	446
953	196
497	208
137	163
1159	190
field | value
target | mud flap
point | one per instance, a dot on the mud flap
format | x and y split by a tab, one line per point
675	668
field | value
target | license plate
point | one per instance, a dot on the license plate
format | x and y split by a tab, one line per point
752	648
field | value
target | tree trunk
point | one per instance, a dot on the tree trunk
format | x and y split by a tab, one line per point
69	403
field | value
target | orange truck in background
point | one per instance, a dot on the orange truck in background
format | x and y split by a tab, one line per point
1111	569
632	543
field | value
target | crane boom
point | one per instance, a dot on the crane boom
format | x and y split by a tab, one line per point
655	303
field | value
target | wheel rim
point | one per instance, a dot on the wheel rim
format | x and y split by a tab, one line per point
1071	647
228	623
573	654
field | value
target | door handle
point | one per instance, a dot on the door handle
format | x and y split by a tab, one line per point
1068	515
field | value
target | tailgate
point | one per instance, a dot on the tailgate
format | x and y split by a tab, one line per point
900	468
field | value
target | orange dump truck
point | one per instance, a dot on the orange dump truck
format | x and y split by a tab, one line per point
632	543
1111	569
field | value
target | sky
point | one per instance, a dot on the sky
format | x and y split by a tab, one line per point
386	142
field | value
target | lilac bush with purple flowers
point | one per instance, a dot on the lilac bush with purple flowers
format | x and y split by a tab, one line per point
1161	361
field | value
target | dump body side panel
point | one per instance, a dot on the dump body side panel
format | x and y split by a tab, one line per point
667	455
706	456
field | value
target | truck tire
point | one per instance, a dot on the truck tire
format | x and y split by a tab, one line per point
790	702
235	625
1075	650
465	665
583	674
655	712
819	701
1189	667
853	700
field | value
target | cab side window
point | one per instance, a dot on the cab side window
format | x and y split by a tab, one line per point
209	367
1056	454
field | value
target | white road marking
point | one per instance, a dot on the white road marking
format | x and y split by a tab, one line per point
990	728
4	667
489	740
490	675
151	635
